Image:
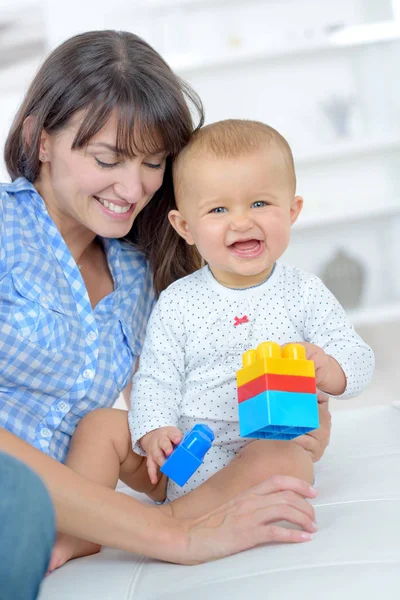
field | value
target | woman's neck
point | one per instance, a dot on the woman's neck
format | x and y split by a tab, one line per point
78	238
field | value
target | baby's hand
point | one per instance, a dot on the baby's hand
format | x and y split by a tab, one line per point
158	445
329	375
321	362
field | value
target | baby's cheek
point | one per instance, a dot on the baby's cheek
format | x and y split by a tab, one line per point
280	235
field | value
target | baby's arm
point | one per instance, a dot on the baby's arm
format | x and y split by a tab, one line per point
157	386
345	365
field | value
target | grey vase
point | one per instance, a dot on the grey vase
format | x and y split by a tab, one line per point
345	277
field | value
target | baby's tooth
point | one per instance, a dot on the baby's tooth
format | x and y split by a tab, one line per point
106	203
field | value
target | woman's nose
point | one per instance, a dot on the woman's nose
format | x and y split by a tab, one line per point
130	186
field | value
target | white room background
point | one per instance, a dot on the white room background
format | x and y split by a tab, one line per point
324	73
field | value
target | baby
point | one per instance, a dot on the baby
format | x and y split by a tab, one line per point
236	202
235	195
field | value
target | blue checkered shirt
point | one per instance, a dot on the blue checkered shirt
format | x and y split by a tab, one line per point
59	358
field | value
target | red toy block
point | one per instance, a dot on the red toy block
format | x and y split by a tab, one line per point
283	383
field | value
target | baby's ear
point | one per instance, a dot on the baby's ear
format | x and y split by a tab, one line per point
295	208
180	225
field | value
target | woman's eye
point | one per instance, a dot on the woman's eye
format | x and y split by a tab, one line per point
259	204
219	209
154	165
105	165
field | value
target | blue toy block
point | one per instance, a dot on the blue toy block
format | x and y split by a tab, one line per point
189	454
278	415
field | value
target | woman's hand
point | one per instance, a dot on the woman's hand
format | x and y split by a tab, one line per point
315	442
251	519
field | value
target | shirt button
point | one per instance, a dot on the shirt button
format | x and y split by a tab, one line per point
45	432
63	407
88	374
92	335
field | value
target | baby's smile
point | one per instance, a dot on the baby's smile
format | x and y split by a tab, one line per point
251	248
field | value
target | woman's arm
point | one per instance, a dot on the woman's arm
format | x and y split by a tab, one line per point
98	514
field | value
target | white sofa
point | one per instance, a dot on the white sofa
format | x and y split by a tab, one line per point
355	555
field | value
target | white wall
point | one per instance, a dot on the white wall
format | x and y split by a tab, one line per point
251	60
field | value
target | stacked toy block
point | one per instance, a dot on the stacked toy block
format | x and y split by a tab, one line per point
277	392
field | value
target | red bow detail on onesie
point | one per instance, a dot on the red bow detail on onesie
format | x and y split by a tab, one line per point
240	320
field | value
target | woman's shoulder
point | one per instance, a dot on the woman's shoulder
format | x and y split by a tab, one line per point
8	193
5	197
8	188
9	214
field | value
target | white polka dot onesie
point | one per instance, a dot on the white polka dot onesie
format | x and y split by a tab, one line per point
194	343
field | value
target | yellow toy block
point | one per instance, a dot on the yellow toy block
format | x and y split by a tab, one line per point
270	358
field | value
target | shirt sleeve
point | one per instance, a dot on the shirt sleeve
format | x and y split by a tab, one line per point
157	386
327	326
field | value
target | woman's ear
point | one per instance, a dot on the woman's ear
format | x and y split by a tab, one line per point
180	225
295	208
28	129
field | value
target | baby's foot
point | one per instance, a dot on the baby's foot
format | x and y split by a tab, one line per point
67	547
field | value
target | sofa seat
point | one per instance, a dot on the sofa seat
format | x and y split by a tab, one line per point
354	556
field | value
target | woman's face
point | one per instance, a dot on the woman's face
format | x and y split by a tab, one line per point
93	187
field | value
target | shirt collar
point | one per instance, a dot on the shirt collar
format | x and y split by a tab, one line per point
112	246
21	184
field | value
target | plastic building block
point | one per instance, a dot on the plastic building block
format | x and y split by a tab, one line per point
277	393
189	454
283	383
271	358
278	415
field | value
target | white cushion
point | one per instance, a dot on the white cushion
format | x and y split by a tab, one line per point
355	554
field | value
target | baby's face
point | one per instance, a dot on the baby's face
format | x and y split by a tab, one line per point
238	213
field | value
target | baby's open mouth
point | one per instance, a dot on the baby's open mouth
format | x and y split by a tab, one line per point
247	248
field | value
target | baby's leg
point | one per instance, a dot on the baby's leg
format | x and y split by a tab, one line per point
254	463
101	451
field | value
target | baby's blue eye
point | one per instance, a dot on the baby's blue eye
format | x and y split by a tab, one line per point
259	204
219	209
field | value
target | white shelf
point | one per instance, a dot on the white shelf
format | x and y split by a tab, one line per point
190	63
348	149
354	212
375	315
186	4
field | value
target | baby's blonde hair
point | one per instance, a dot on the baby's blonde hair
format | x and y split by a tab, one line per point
233	138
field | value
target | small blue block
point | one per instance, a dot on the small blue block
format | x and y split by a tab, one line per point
189	454
278	415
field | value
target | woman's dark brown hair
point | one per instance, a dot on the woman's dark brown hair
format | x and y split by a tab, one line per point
100	72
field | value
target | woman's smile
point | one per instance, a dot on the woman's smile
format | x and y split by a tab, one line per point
115	209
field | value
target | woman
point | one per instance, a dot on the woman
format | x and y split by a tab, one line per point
88	150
